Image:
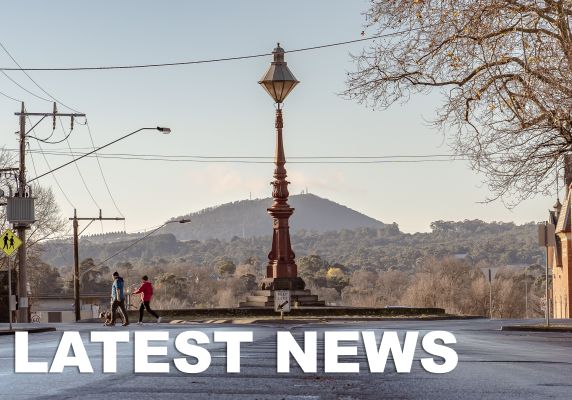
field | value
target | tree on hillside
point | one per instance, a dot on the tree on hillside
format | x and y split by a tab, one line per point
336	277
94	278
312	269
225	266
442	282
170	285
43	278
504	68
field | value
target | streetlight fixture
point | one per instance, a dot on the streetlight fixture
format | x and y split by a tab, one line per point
161	129
281	270
78	275
491	274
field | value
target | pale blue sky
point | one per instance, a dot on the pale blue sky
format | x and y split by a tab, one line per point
220	110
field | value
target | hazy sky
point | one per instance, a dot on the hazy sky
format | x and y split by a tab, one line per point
218	109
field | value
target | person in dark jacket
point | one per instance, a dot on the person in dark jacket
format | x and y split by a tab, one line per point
146	291
118	300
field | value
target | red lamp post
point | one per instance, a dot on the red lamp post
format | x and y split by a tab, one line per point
281	271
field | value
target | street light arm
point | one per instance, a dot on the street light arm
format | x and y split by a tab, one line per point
160	129
182	221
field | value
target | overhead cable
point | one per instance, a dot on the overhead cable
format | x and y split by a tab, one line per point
33	81
212	60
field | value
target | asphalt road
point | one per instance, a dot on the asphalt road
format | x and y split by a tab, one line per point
492	365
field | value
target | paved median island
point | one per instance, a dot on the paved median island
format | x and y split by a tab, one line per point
28	329
198	313
557	327
300	314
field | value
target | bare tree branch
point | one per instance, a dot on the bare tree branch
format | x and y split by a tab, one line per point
504	68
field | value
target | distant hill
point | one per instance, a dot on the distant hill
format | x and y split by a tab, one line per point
248	218
243	230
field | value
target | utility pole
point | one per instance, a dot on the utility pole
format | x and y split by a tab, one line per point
547	287
76	276
21	228
22	273
547	238
490	295
525	294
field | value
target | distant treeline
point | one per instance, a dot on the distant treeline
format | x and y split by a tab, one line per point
383	249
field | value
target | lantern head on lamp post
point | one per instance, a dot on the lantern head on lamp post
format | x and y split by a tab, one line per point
278	81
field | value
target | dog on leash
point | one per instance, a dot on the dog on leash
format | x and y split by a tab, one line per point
106	317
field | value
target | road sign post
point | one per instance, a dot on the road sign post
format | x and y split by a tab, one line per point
10	300
9	243
282	302
491	274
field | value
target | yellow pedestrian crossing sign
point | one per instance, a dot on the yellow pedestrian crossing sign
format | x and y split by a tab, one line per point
9	242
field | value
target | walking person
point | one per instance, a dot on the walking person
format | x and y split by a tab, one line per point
146	291
118	300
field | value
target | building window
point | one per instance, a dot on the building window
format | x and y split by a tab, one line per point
558	249
54	317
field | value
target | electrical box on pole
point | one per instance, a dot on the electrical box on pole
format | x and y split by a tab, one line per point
20	211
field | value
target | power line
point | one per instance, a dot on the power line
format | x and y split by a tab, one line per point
65	136
64	151
32	157
30	150
131	245
102	174
45	140
75	160
244	161
267	157
213	60
9	97
15	82
415	158
33	81
77	167
142	230
418	159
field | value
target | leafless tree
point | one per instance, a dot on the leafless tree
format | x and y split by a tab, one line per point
50	222
504	69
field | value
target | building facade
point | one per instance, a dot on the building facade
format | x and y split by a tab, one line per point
560	255
60	308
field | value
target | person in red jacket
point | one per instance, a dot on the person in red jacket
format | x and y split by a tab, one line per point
146	291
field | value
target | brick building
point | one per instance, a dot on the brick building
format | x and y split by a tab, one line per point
560	256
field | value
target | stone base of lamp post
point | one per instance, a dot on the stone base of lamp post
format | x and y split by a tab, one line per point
295	283
265	299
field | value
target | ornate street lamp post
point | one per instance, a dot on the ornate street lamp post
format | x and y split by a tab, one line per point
281	271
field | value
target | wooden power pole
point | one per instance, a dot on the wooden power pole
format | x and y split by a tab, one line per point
76	276
22	273
21	228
